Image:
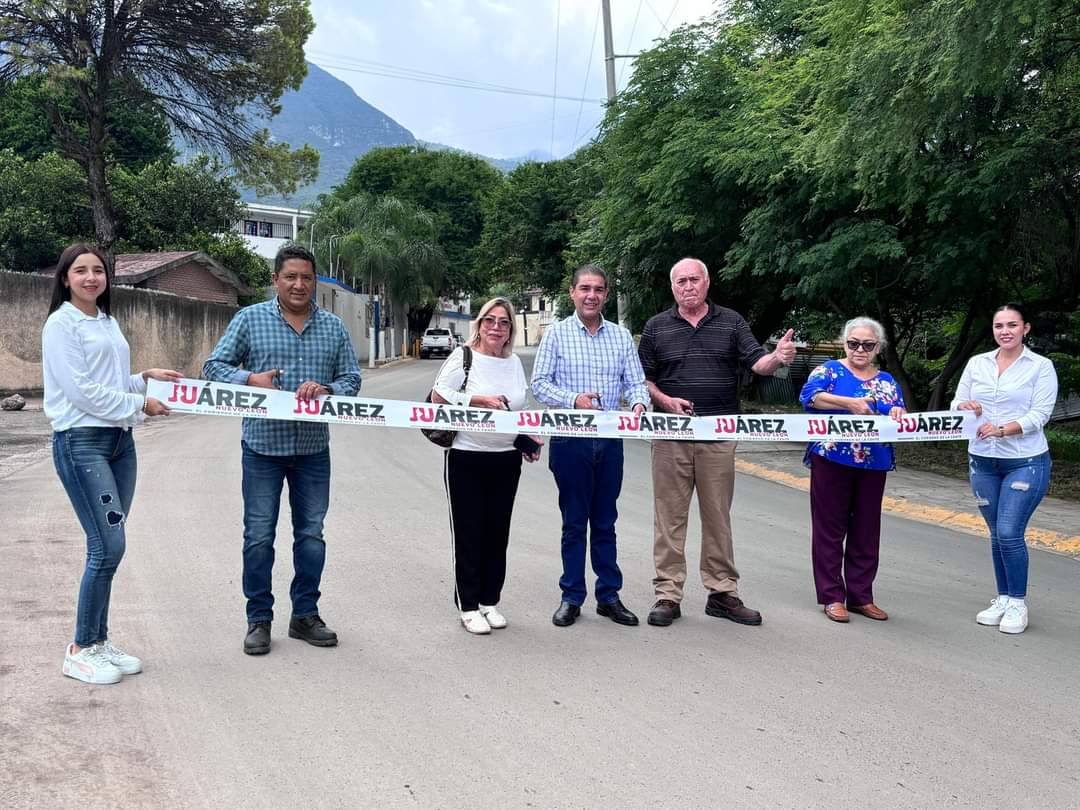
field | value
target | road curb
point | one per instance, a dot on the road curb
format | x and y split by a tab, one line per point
924	512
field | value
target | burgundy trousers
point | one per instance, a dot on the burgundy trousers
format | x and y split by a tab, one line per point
845	502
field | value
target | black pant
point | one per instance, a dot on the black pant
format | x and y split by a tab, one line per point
481	488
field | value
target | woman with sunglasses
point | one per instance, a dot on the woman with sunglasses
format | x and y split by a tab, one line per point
847	479
481	470
1015	389
93	400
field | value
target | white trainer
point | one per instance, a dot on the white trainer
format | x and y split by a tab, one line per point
475	622
495	619
1015	619
991	617
126	663
91	665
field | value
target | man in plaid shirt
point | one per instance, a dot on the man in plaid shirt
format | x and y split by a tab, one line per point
587	362
291	344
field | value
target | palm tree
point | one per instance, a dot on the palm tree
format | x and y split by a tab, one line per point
392	244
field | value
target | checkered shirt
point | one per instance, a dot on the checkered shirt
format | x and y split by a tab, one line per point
570	361
259	339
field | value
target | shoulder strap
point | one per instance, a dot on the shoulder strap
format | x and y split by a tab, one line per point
466	363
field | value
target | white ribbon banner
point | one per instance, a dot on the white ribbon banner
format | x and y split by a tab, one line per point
225	399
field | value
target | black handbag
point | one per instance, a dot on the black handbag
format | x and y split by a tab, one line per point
439	436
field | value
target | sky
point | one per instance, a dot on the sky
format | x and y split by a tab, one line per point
537	46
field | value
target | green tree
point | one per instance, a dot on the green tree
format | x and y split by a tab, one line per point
138	133
529	220
389	243
451	186
206	67
44	206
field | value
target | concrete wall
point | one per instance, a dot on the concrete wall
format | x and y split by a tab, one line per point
163	330
194	280
352	308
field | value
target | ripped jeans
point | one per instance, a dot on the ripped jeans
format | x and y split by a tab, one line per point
1007	490
97	467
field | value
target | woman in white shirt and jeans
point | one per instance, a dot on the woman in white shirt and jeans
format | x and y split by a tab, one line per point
93	401
1015	389
482	470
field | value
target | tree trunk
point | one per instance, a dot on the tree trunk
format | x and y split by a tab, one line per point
893	363
100	199
966	342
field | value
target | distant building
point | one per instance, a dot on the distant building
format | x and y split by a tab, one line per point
453	314
188	273
537	316
267	227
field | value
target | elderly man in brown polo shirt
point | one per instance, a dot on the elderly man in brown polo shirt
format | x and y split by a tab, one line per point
691	355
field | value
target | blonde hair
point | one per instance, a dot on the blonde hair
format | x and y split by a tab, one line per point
474	338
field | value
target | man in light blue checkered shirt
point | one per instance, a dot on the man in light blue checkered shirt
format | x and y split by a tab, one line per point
585	361
291	344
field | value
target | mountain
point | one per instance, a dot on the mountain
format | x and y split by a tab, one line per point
326	113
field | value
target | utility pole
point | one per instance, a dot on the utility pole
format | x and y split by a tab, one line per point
609	69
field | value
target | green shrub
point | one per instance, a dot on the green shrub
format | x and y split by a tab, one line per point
1064	445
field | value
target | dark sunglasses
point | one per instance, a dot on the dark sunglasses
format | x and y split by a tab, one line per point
867	345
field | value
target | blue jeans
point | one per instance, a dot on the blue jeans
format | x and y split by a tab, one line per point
1007	491
309	498
589	475
97	467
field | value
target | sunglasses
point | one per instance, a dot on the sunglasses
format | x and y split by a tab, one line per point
866	345
491	322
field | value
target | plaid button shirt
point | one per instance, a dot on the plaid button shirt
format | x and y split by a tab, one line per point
570	361
259	339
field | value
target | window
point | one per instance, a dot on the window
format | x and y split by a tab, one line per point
251	227
541	304
266	229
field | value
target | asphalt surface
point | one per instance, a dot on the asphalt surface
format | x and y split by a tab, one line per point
925	710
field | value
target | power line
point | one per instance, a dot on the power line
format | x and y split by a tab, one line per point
630	42
663	25
464	84
588	68
555	80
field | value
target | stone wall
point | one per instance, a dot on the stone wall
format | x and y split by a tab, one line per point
163	330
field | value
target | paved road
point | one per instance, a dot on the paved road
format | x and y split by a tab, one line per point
409	711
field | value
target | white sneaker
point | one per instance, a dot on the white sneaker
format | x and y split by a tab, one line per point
991	617
475	623
495	619
90	665
127	664
1015	619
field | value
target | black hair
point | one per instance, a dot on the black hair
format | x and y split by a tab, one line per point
588	270
61	292
293	252
1014	307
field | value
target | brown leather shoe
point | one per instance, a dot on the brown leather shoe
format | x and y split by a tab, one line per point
729	606
836	611
870	611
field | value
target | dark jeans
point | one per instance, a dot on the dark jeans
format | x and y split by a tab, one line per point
589	475
97	467
481	488
845	502
1007	491
309	498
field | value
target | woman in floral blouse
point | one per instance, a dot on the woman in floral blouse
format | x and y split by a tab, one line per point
847	479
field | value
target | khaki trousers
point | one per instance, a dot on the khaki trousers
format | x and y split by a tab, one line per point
678	467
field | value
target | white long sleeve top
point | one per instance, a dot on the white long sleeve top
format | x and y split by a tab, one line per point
87	368
1024	393
489	376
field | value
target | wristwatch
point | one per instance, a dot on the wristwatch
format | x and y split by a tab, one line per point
1001	431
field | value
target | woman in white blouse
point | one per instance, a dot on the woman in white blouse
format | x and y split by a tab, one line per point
481	470
1015	390
93	400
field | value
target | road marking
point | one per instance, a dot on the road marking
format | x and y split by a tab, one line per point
923	513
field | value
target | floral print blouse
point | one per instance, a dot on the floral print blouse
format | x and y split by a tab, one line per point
834	378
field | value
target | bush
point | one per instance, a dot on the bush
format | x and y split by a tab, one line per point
1064	445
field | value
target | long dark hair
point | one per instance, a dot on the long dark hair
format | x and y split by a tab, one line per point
61	292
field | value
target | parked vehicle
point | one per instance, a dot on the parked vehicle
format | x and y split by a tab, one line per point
436	341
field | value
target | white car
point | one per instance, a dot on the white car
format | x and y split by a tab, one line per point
436	341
